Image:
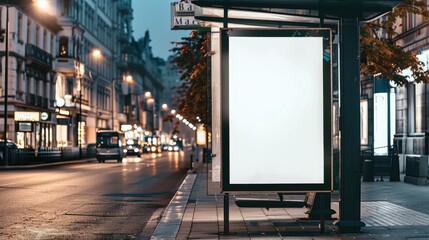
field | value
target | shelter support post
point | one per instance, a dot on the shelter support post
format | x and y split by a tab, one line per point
226	213
350	188
226	197
322	213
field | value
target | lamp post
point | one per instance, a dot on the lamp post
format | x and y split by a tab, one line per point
113	103
6	78
131	91
80	117
96	53
79	76
149	96
163	127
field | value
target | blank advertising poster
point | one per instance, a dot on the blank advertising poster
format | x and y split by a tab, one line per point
276	110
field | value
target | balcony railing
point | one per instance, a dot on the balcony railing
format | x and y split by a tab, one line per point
38	56
124	7
42	102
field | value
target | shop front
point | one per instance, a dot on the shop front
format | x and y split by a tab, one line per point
34	129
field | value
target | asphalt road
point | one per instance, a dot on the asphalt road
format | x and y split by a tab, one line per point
90	200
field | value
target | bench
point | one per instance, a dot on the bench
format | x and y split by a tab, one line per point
264	203
317	207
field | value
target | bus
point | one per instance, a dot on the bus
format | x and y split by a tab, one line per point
109	146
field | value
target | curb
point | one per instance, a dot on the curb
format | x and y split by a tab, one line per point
171	219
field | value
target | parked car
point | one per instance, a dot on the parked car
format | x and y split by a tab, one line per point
10	145
91	149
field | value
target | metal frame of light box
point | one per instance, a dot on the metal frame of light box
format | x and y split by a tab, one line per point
327	185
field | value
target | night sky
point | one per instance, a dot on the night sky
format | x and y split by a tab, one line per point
154	15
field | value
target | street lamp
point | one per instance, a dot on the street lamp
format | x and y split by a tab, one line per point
42	4
96	53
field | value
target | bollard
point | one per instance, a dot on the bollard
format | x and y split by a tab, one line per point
394	171
192	161
368	170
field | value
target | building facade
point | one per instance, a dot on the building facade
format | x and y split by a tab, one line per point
412	106
88	58
74	68
30	74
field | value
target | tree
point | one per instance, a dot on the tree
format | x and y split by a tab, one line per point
190	59
380	53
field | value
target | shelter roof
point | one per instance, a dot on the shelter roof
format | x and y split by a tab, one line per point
364	9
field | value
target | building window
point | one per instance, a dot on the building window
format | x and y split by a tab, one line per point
70	86
52	45
45	40
412	19
419	108
20	27
65	10
29	33
38	36
63	47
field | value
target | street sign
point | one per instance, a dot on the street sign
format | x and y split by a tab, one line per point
182	16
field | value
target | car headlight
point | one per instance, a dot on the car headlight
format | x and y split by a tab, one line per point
136	150
125	150
176	148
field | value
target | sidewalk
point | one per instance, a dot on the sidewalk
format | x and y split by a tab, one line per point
390	210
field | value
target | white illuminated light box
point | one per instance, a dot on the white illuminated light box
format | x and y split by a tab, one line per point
276	110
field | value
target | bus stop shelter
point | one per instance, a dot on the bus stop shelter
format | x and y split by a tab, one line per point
346	16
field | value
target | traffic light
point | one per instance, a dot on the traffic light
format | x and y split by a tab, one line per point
2	34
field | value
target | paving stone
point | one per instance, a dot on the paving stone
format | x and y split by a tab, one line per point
390	210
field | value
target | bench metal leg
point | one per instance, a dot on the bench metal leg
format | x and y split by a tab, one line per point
226	213
322	213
